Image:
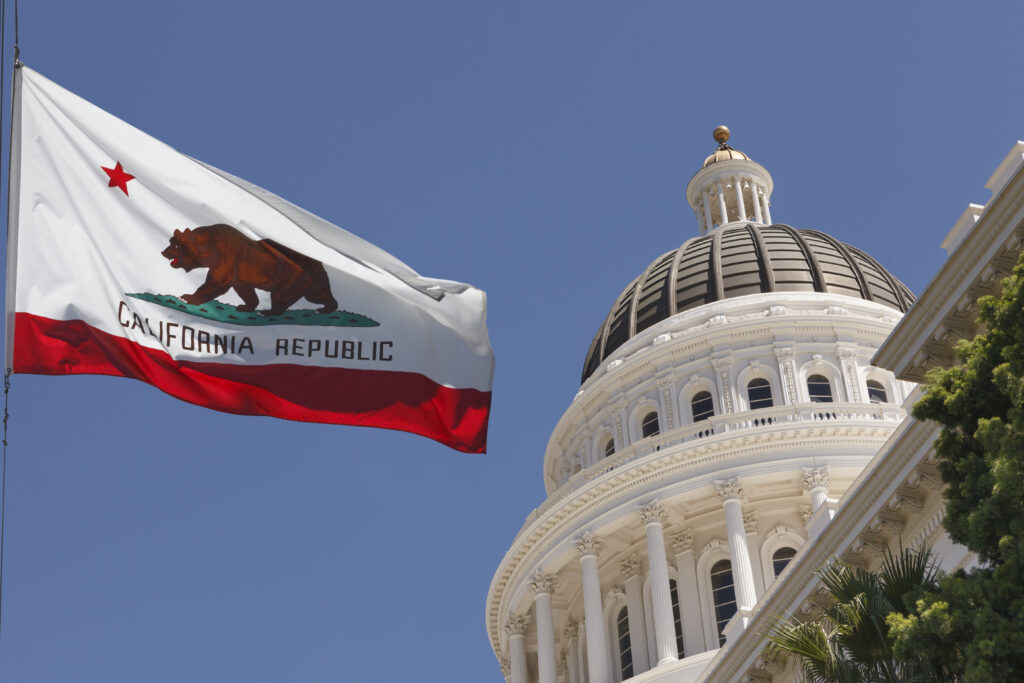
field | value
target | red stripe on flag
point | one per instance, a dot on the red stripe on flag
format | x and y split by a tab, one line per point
404	401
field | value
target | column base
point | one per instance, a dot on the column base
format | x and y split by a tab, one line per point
667	660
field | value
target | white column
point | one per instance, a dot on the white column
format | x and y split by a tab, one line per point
597	642
739	198
708	224
757	203
721	205
816	480
572	651
689	599
653	517
767	212
742	575
753	551
633	583
542	585
516	627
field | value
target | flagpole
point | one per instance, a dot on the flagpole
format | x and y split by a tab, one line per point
11	246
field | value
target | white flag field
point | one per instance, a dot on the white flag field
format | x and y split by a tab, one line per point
128	258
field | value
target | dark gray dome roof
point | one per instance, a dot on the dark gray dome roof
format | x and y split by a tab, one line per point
738	260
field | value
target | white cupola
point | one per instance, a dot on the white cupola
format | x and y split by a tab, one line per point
730	188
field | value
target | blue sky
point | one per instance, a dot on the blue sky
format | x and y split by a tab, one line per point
536	150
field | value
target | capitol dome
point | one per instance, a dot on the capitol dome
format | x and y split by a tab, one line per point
728	400
737	260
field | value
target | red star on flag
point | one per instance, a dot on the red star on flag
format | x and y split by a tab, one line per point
118	178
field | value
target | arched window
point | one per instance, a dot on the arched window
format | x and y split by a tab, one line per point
649	425
819	389
702	406
677	617
609	447
780	558
723	595
759	393
876	392
625	649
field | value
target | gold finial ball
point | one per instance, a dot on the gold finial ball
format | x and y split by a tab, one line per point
721	135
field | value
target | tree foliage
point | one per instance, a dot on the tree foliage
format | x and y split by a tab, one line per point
974	622
850	641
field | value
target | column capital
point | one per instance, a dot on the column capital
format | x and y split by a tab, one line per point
630	567
785	353
588	544
682	542
516	625
720	363
652	513
729	489
542	584
750	522
816	477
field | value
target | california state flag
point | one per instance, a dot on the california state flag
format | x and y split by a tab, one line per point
128	258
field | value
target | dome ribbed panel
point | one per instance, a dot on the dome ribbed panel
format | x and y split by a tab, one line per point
691	285
737	261
652	303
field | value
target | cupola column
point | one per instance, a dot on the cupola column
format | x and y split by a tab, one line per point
738	182
708	224
756	201
723	216
653	516
571	634
689	600
730	492
633	583
753	543
816	480
542	585
516	627
767	211
588	547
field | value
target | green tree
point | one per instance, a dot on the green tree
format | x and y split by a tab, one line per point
974	622
850	641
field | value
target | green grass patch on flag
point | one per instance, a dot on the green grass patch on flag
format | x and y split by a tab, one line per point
226	313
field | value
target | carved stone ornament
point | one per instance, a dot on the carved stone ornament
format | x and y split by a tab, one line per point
506	666
614	594
543	583
729	489
750	522
517	625
588	545
816	478
652	513
630	567
571	630
806	511
682	542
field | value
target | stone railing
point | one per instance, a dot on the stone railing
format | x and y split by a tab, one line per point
727	426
